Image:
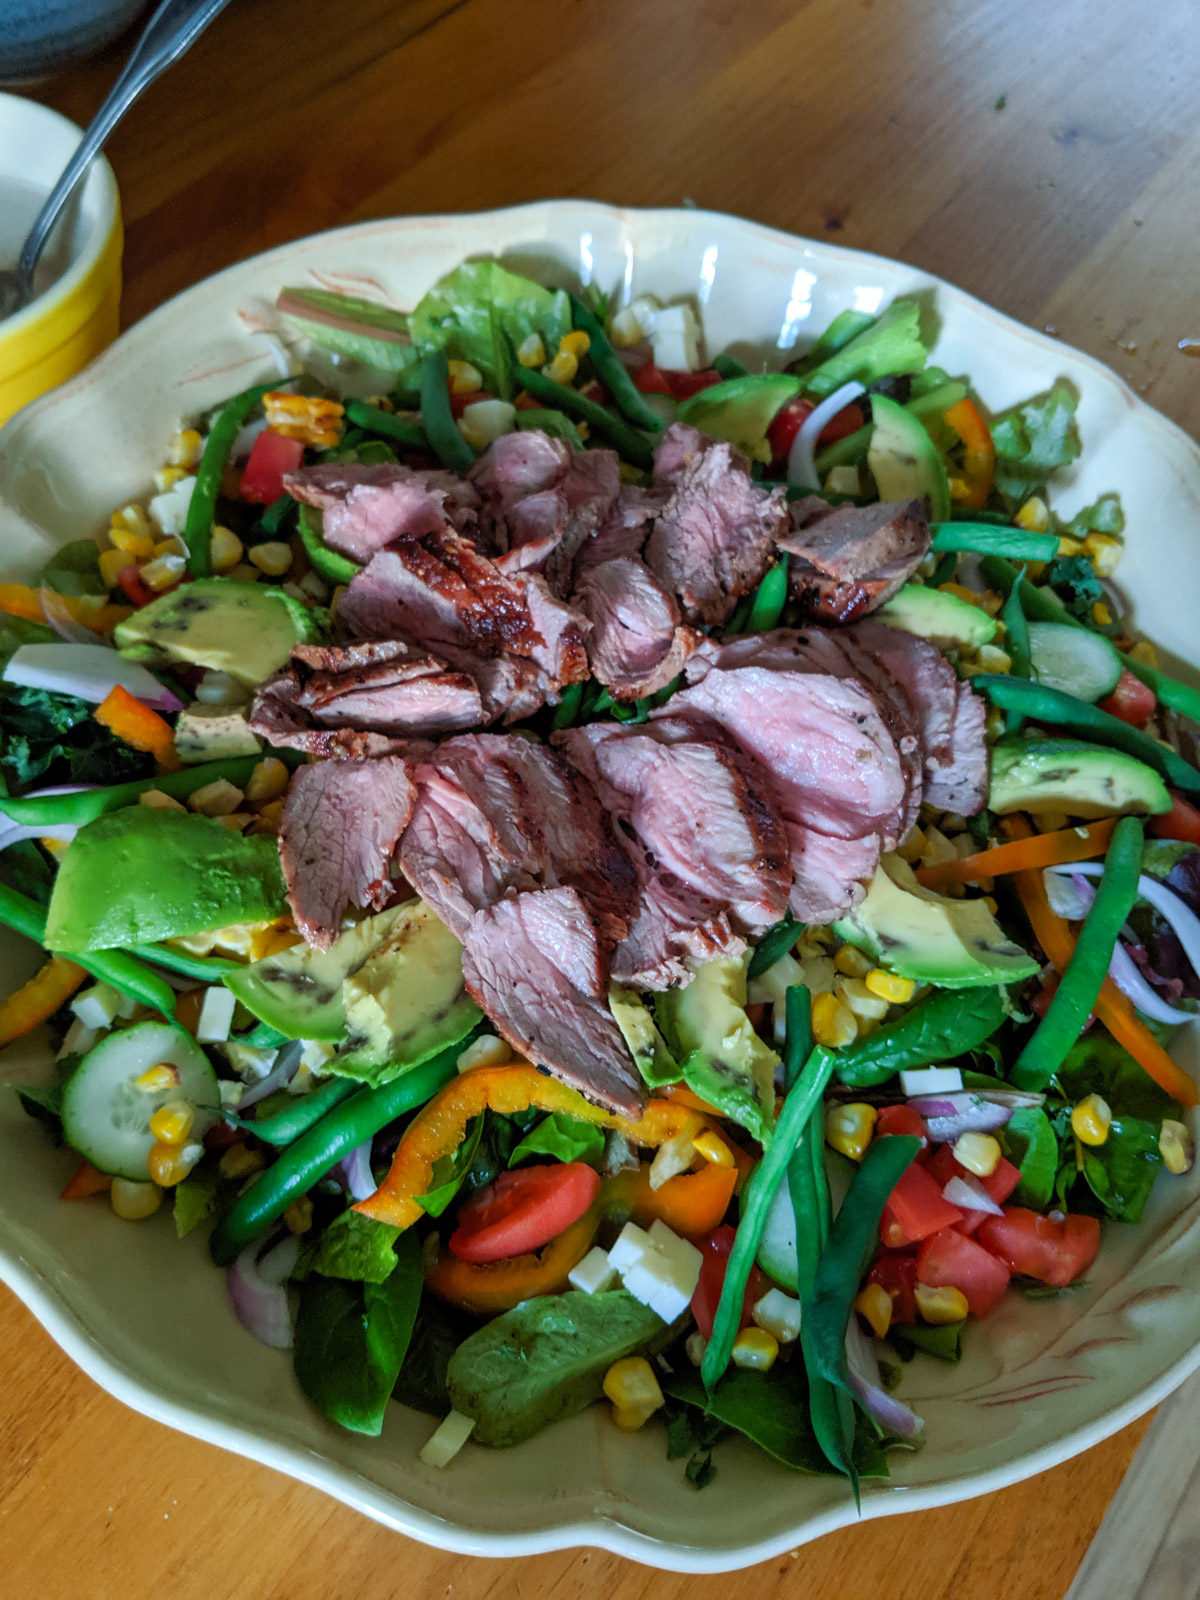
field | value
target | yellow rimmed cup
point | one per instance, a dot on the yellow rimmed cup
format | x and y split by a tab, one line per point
77	314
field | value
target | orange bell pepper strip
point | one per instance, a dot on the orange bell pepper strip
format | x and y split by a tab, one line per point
692	1204
19	600
499	1285
439	1128
1054	935
972	488
49	988
137	725
84	1182
1022	855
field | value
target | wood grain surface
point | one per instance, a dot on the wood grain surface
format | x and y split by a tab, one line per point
1043	154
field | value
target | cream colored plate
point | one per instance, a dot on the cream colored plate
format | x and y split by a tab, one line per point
148	1318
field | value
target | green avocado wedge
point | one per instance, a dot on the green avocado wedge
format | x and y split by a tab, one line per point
245	629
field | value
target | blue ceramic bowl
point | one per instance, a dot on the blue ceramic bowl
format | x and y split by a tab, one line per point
41	37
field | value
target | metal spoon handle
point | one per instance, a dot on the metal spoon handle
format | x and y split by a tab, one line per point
170	32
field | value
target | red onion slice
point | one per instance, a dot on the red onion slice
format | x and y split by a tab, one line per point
1123	971
895	1418
356	1167
802	466
57	614
946	1116
257	1293
88	671
970	1194
283	1070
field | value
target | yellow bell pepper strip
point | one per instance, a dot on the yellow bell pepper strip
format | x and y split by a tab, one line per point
1054	935
90	611
693	1204
439	1128
84	1182
49	988
499	1285
972	488
1040	850
137	725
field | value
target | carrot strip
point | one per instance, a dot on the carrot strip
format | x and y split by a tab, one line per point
1022	855
50	987
136	724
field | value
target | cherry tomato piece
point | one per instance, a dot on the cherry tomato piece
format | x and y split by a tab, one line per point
523	1210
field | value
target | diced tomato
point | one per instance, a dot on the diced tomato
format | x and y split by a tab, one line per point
1055	1249
685	384
651	379
915	1209
271	455
949	1260
523	1210
849	420
596	392
901	1119
897	1273
460	402
129	580
1132	700
526	402
707	1296
787	424
998	1185
1182	822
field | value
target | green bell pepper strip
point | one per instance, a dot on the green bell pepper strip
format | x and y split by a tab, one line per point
50	810
626	440
383	422
769	600
1042	704
778	941
445	440
202	507
801	1102
612	372
303	1112
984	538
209	969
1046	1049
310	1157
945	1024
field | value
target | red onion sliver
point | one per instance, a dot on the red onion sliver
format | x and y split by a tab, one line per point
895	1418
87	671
260	1304
283	1070
802	466
57	614
1182	919
970	1194
357	1169
1122	969
967	1113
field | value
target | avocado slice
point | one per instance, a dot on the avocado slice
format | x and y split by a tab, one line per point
646	1044
139	874
943	618
741	409
245	629
904	461
299	991
329	563
406	1001
1069	775
921	935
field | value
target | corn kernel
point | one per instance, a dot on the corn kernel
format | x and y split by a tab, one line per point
112	563
166	478
961	592
848	1128
874	1305
532	352
564	368
938	849
216	799
1067	546
464	377
172	1122
992	905
624	328
1101	615
185	448
1051	821
851	962
134	1201
756	1349
139	546
912	848
282	939
713	1148
696	1344
134	520
268	781
629	1420
843	479
226	548
1105	552
164	572
274	558
993	724
236	820
978	1152
158	801
992	659
157	1078
854	994
890	986
631	1385
239	1161
244	573
833	1023
1176	1146
1091	1119
939	1305
305	417
271	815
1144	653
298	1217
576	343
170	1164
1034	515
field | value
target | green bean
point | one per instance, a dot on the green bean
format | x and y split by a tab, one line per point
850	451
210	969
122	971
729	367
300	1114
628	441
798	1016
1043	704
376	421
202	507
769	599
945	1024
1046	1049
348	1125
777	941
272	517
801	1102
984	538
612	372
1019	649
52	809
445	439
741	616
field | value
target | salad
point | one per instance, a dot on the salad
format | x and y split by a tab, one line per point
594	875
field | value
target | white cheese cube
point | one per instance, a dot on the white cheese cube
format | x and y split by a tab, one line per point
932	1080
632	1244
682	1253
676	339
78	1041
447	1440
644	311
216	1016
779	1314
96	1007
594	1273
231	1093
665	1276
251	1062
170	510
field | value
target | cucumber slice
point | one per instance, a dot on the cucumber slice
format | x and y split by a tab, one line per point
777	1250
107	1119
1072	659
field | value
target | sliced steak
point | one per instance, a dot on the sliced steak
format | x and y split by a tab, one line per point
850	560
674	931
518	465
340	824
624	530
636	644
829	874
560	630
368	507
535	964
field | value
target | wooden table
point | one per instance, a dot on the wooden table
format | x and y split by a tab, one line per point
1043	155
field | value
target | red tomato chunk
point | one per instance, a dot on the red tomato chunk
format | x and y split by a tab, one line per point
901	1119
705	1300
271	455
523	1210
997	1185
1055	1249
916	1209
1132	700
897	1273
951	1260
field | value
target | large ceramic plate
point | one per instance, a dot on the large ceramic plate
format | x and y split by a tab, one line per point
148	1319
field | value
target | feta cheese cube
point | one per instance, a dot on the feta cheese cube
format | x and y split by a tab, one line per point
932	1080
665	1275
632	1244
779	1314
447	1439
594	1273
682	1253
170	510
675	339
251	1062
216	1016
96	1007
231	1093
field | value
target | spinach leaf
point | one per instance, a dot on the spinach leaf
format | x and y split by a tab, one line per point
946	1024
450	1171
43	1102
436	1335
17	631
564	1137
55	736
1031	1145
1033	439
356	1247
1121	1171
351	1340
472	311
1097	1064
195	1198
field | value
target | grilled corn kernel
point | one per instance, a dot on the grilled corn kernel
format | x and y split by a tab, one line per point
577	344
1176	1146
157	1078
1091	1119
216	799
305	417
961	592
978	1152
833	1023
624	328
164	572
134	1201
271	815
298	1217
133	518
564	368
992	659
239	1161
532	352
629	1420
267	782
274	558
1034	515
170	1164
237	820
172	1122
756	1349
912	848
112	563
1105	552
244	573
631	1385
874	1305
281	939
890	986
1067	546
848	1128
1101	615
940	1304
713	1148
185	448
137	545
166	478
1144	653
853	993
851	962
226	548
938	849
993	724
464	378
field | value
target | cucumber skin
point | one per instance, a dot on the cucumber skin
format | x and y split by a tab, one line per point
1064	640
778	1234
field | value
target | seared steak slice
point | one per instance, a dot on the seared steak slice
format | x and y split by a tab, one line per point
624	530
674	931
636	644
518	465
535	964
340	824
829	874
851	559
368	507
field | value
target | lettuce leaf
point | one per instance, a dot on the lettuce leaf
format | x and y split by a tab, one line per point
356	1247
475	309
55	737
565	1138
1033	440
